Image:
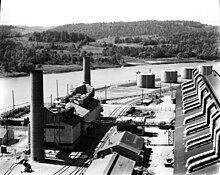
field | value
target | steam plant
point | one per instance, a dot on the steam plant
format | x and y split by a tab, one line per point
169	76
145	80
67	121
205	69
186	72
197	124
63	123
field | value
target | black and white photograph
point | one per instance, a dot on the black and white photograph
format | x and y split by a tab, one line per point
110	87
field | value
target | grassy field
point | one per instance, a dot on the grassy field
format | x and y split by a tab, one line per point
61	68
12	74
173	60
93	49
73	67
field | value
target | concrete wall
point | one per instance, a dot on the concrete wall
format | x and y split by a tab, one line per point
76	133
66	134
92	116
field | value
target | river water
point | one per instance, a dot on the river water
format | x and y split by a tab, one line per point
99	78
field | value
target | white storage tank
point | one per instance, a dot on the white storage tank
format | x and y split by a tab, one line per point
205	69
145	80
187	72
169	76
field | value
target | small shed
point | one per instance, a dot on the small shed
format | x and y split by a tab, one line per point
125	144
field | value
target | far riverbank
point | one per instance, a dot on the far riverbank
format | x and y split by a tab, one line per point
51	69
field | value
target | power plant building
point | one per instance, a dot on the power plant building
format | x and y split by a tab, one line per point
197	125
68	120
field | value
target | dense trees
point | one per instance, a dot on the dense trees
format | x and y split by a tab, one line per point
151	27
15	57
181	45
63	36
144	39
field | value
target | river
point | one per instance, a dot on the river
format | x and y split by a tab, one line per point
99	78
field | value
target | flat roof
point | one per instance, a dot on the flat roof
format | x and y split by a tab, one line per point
113	164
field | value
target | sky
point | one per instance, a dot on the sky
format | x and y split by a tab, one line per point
58	12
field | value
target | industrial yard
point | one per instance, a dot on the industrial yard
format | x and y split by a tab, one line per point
57	162
127	128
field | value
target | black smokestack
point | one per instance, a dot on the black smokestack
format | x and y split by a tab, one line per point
37	116
86	69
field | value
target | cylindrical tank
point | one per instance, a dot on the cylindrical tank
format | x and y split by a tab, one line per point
37	116
205	69
145	80
169	76
187	72
86	70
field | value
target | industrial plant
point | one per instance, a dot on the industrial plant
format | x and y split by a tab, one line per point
159	125
197	126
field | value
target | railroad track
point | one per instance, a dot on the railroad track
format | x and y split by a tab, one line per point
68	165
81	168
10	169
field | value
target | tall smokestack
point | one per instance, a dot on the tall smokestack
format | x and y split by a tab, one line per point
86	69
37	116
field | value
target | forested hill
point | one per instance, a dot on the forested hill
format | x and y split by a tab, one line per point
161	28
16	31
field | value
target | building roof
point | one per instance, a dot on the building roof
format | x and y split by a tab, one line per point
73	120
79	110
180	156
125	139
113	164
214	83
3	131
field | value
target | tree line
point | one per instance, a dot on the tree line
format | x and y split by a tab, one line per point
138	28
62	36
202	45
14	57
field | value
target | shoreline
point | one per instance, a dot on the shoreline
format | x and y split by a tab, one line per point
55	69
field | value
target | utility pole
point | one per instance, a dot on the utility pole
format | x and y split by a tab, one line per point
170	84
51	99
71	87
160	89
13	100
67	88
57	91
105	92
142	95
